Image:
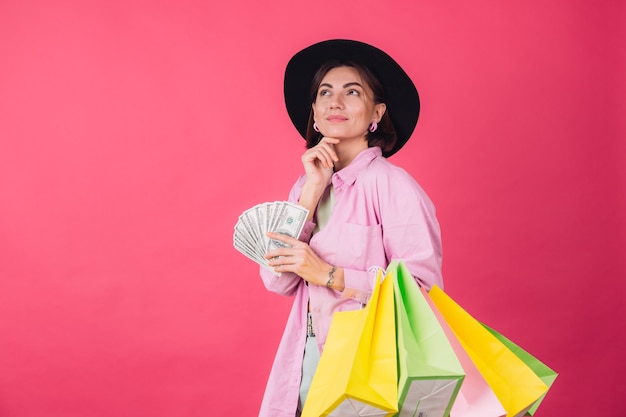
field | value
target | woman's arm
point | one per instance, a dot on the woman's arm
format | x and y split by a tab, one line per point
405	227
410	228
318	167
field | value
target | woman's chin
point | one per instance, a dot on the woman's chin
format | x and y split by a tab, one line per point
342	135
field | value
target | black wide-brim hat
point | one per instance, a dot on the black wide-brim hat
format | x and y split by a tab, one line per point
401	96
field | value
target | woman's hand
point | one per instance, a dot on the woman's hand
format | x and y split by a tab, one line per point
299	259
318	162
318	165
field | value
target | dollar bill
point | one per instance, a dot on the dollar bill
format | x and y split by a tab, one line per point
289	221
250	238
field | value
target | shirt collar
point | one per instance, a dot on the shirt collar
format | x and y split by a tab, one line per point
349	174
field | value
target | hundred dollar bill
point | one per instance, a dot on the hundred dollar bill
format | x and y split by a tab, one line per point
263	263
243	233
247	248
262	218
289	221
248	218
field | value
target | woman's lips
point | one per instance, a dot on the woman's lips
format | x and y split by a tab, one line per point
336	118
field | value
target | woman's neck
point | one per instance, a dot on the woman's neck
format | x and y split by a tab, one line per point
347	151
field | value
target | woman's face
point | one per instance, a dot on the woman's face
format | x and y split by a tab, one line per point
344	106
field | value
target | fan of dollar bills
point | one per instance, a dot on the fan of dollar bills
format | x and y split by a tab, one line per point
278	216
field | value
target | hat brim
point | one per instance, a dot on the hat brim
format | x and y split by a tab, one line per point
401	96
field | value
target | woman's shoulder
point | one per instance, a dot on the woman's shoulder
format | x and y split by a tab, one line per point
381	170
394	186
391	181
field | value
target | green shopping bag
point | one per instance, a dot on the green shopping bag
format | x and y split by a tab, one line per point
430	375
547	375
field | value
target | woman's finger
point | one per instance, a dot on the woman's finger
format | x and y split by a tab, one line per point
328	145
324	154
288	251
282	238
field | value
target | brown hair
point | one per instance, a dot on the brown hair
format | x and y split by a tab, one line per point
385	136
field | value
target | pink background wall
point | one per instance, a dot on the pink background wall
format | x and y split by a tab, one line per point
132	135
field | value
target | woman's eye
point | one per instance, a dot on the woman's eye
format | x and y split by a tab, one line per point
353	92
324	93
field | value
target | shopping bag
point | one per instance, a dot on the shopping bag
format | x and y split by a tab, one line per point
357	374
475	398
514	383
547	375
430	374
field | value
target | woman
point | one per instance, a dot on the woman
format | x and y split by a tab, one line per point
355	106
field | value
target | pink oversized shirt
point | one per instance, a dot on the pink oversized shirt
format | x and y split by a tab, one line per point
380	213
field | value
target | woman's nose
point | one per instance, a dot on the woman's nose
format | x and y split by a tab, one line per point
336	103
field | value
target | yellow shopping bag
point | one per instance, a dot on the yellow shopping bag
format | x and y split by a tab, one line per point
357	373
547	375
476	398
514	383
